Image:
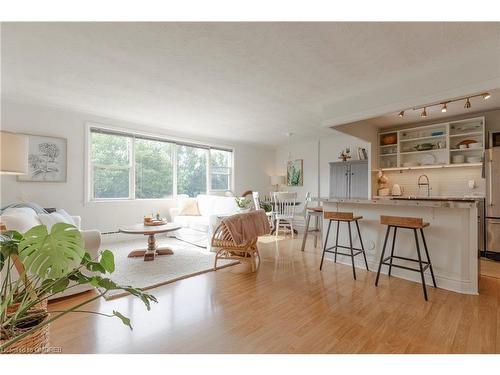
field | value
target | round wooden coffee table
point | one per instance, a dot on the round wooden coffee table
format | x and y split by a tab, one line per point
150	231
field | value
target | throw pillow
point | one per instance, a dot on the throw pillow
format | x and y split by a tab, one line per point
188	207
50	219
66	216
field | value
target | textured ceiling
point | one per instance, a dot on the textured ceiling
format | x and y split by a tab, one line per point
245	81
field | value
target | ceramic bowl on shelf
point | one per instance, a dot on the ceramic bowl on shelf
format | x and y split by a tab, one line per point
389	139
411	164
458	159
473	159
476	145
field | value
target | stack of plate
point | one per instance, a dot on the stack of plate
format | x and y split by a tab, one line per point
473	159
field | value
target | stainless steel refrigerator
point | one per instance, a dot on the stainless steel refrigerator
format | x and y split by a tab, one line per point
492	222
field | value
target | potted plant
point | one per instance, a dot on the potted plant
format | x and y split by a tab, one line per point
243	204
48	264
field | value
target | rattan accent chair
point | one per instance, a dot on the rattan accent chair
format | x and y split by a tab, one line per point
226	248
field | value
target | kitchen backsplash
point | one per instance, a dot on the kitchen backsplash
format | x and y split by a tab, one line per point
443	181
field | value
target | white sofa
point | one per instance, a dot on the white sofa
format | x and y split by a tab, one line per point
22	219
210	209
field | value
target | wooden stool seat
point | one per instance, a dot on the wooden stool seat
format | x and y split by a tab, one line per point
348	218
315	209
341	216
403	222
413	223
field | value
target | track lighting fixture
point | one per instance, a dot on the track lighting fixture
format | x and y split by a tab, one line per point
467	104
444	105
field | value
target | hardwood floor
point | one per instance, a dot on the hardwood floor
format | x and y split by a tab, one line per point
289	306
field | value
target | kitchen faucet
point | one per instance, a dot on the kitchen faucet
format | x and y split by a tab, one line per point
425	183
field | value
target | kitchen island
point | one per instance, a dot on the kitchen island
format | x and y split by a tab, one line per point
451	237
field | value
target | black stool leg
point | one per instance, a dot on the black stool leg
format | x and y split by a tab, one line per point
392	251
362	247
352	252
336	242
428	258
420	264
382	255
324	247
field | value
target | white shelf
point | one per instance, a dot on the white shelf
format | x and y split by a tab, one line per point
465	134
423	151
437	166
423	138
467	149
453	134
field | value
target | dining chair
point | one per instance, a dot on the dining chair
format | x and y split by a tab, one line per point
284	210
256	203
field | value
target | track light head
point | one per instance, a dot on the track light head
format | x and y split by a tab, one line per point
467	104
486	95
424	113
445	108
401	114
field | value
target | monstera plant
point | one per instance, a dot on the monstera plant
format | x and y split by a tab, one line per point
47	264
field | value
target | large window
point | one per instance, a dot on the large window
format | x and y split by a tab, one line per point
220	169
154	175
111	166
128	166
191	170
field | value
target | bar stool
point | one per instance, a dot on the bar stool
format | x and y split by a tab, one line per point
348	218
317	213
416	224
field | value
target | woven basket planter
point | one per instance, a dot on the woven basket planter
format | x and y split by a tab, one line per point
31	344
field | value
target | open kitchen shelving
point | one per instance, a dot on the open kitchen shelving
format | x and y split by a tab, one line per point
433	146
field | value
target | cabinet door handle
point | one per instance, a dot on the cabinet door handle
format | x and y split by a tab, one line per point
490	182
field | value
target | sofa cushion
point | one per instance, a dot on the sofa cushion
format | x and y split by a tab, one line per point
204	204
53	218
67	217
216	205
188	207
199	223
20	219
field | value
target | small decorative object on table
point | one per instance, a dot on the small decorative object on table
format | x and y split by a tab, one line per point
243	203
345	154
157	220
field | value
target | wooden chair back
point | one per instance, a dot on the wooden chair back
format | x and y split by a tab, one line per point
284	204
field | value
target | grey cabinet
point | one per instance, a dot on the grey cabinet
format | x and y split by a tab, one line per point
349	179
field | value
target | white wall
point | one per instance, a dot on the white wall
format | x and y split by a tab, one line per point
316	155
253	166
443	181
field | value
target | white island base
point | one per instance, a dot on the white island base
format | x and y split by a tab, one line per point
451	239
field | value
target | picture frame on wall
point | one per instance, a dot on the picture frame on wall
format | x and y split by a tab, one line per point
47	159
295	172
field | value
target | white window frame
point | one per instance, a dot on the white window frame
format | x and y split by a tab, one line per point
89	166
231	171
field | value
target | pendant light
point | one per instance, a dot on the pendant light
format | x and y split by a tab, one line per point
486	95
467	104
424	113
401	114
445	108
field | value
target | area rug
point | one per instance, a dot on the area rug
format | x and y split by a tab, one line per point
188	260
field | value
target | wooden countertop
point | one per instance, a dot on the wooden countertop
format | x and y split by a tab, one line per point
436	202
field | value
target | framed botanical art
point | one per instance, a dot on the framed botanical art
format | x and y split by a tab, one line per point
295	173
47	159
